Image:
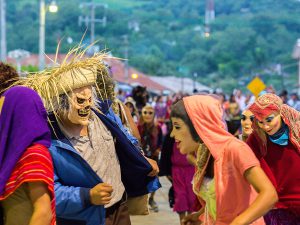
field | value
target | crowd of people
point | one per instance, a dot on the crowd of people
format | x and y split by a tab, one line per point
74	151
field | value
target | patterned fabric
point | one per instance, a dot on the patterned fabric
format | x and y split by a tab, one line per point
268	104
23	121
202	159
34	165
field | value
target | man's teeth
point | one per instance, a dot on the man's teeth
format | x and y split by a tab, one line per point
83	112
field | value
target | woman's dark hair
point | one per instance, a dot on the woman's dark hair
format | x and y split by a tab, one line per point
178	111
8	75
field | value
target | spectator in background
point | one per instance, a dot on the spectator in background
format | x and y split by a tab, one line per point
140	96
130	103
284	96
249	99
160	109
240	99
294	101
233	113
8	75
121	95
151	141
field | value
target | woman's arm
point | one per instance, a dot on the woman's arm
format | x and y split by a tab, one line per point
267	196
134	129
193	218
41	202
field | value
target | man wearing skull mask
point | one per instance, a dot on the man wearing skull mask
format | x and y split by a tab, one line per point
96	165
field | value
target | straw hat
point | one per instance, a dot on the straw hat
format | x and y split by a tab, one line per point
75	71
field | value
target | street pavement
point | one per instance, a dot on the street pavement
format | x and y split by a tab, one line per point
165	216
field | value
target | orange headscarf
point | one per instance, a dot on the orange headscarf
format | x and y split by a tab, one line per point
206	114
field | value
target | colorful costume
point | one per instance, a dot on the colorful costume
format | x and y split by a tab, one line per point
174	164
103	154
24	157
232	158
281	162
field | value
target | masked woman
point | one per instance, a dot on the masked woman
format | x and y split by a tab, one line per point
26	171
247	118
151	140
229	182
276	143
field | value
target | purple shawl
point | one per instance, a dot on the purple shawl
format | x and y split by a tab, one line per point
23	122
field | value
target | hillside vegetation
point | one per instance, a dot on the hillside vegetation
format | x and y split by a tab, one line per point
247	38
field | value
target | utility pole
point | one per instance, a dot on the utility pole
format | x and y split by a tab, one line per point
92	18
209	16
42	35
3	30
296	55
126	68
195	75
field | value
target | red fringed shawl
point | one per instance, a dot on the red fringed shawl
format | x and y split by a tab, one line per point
34	165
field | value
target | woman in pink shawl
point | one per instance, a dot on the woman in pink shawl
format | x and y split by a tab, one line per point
229	183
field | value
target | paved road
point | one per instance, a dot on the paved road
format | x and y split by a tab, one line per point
165	216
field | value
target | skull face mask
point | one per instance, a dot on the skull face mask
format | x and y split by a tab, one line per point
80	106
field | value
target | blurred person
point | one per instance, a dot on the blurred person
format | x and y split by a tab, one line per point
140	96
130	103
240	99
8	75
233	116
121	95
247	118
294	101
249	99
284	96
160	108
276	142
271	90
229	183
151	141
26	170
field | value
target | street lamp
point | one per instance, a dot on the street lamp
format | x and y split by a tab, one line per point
134	76
195	75
52	8
296	55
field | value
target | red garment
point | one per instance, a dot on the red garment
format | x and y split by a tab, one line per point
282	166
280	163
151	139
34	165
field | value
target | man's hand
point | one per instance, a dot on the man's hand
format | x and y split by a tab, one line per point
101	194
191	219
155	169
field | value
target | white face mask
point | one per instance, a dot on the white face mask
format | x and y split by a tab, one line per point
80	106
